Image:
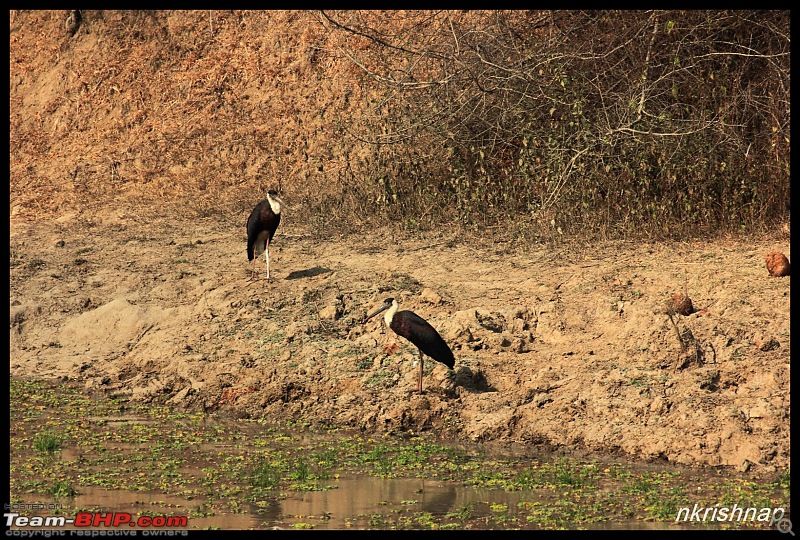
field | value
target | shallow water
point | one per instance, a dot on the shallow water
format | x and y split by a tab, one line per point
358	502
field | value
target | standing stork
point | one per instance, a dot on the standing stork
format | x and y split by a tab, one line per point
261	227
418	331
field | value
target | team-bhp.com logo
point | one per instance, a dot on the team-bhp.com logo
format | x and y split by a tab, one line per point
96	519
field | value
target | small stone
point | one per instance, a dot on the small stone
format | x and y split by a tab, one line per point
680	304
329	313
430	296
777	264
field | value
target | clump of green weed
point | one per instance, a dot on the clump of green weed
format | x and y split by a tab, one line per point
62	489
265	475
566	473
47	442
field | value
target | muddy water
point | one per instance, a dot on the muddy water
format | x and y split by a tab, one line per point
359	502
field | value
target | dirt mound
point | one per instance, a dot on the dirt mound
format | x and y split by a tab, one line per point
568	349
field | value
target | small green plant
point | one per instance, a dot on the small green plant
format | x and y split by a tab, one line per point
426	520
640	485
62	489
300	472
785	480
638	382
326	456
527	479
664	506
567	474
382	378
380	457
265	475
463	512
47	442
364	364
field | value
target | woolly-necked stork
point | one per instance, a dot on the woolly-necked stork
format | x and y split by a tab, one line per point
261	227
418	331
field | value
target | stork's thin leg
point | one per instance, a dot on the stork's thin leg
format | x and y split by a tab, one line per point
419	381
266	254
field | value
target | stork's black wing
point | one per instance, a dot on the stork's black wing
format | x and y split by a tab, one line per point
419	332
261	220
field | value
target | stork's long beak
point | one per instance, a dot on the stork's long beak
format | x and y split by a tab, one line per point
280	200
381	309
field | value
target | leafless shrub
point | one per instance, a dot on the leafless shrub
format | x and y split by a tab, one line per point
633	123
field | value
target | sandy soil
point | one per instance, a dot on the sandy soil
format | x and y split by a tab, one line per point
564	348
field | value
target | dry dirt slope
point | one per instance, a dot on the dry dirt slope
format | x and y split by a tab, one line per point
568	348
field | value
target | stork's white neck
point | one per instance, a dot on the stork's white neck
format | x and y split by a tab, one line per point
389	315
274	204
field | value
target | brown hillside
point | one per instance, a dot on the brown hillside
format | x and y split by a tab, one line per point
214	107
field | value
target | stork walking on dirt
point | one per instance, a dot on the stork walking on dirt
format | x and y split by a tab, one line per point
418	331
261	227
